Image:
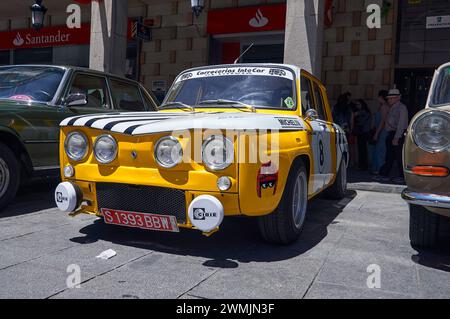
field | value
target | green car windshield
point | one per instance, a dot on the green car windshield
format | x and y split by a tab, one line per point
29	83
441	94
261	87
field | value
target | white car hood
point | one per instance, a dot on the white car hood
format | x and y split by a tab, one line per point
158	122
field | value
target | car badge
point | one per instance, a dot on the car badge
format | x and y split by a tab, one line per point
134	154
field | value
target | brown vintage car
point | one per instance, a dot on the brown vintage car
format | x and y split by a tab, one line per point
426	162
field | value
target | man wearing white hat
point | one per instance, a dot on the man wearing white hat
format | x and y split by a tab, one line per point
396	125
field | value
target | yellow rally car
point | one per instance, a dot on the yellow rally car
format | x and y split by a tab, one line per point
244	139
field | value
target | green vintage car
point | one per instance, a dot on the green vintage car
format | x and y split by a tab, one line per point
34	99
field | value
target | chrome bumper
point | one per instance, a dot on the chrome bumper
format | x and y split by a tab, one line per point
426	199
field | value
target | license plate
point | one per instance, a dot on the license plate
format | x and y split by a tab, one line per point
140	220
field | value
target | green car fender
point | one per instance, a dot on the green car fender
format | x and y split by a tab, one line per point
10	138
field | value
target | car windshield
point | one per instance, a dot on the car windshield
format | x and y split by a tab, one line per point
261	87
441	94
29	83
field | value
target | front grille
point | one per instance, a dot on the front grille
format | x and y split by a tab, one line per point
142	199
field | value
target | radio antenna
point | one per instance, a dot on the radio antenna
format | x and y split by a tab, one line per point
243	53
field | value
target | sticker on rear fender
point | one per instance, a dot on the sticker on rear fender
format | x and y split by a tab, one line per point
140	220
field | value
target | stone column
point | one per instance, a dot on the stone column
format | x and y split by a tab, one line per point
109	23
304	34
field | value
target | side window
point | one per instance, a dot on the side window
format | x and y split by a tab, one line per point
320	105
126	96
149	100
94	87
306	92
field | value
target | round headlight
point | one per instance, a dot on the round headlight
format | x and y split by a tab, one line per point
76	146
431	131
105	149
168	152
224	183
69	171
217	153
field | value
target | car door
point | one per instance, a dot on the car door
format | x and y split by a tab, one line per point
320	135
325	138
307	98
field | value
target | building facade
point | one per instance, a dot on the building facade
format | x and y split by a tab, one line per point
331	38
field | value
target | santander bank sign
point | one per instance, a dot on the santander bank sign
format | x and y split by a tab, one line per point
58	38
46	37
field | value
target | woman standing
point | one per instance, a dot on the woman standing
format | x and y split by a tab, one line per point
343	115
363	124
379	138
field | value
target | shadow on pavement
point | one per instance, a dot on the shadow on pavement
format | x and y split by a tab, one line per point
237	240
33	197
358	176
437	257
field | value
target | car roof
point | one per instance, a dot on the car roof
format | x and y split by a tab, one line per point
443	66
73	68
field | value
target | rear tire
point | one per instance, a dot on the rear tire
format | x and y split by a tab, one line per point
339	187
9	175
423	227
285	224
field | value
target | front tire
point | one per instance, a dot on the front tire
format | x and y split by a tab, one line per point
9	175
285	224
423	227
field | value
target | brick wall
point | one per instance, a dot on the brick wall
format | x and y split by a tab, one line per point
356	58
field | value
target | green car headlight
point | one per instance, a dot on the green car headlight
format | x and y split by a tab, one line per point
431	131
76	146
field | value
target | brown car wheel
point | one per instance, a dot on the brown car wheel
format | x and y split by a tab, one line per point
9	175
423	226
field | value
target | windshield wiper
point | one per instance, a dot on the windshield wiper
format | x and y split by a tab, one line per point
180	105
229	102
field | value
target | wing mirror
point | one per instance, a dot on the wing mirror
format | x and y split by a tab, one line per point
311	115
76	99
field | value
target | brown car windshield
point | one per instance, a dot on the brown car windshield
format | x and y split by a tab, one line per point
273	88
441	94
30	83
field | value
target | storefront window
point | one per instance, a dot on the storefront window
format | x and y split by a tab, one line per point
131	62
75	55
33	56
5	57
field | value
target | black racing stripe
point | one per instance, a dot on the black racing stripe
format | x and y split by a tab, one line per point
73	120
131	129
90	122
110	125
